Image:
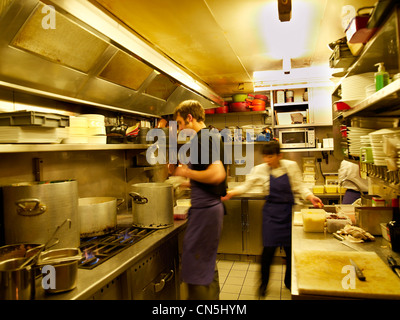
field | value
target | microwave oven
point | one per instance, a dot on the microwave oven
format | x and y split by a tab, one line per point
297	138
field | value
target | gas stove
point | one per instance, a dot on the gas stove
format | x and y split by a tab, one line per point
97	250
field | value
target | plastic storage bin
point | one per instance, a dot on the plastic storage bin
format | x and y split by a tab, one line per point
331	188
313	220
318	189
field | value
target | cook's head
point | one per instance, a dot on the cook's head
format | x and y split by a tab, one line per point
187	111
272	153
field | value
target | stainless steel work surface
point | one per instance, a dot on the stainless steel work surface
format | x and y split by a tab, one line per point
90	281
326	242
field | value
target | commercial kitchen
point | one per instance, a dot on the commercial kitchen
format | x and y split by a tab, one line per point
88	208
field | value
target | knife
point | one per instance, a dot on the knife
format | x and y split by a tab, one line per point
346	243
393	264
359	273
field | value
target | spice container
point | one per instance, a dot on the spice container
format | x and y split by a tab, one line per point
289	96
280	96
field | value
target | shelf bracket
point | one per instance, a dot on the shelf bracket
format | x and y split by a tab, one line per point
38	169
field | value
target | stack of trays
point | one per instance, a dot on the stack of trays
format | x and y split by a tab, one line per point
32	127
26	134
309	171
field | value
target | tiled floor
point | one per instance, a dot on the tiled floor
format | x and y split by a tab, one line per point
241	280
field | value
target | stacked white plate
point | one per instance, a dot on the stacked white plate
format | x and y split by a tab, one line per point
353	87
377	143
365	141
398	156
354	135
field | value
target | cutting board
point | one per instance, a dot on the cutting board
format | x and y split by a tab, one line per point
320	273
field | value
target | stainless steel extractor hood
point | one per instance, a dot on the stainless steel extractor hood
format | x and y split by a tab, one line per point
88	58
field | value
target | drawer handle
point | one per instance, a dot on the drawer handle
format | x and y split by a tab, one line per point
167	277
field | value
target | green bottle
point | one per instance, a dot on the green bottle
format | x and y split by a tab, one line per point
381	77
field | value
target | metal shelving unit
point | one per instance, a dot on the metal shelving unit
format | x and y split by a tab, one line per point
20	148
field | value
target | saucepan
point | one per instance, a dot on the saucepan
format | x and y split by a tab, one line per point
239	107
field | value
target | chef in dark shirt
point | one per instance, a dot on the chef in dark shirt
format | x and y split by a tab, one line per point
208	184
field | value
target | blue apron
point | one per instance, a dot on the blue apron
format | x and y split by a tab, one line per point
277	213
200	243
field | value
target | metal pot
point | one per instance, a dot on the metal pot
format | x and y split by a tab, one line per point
240	97
152	205
32	210
65	263
16	283
223	109
239	107
98	215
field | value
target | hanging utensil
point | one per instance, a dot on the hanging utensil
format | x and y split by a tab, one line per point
393	264
46	246
29	260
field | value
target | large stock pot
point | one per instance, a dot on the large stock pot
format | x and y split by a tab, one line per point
32	210
152	205
98	215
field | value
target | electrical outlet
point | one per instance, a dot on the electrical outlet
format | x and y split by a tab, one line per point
319	160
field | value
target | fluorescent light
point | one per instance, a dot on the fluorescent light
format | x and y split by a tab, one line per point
316	74
286	65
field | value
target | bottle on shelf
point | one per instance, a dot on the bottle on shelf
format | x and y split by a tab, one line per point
381	77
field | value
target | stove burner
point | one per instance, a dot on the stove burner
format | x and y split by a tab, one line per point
97	250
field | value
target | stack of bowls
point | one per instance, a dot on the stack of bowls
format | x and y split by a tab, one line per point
77	131
96	128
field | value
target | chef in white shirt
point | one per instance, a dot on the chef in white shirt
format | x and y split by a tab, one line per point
349	177
281	182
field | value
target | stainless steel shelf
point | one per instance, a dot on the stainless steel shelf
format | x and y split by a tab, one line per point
19	148
301	125
385	102
306	150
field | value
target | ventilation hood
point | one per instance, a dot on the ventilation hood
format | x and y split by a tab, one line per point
75	62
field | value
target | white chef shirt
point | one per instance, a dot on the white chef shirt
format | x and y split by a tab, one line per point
258	179
351	171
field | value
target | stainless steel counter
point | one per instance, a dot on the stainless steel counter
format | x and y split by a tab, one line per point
90	281
326	242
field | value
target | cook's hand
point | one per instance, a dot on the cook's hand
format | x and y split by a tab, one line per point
317	203
171	169
182	171
228	195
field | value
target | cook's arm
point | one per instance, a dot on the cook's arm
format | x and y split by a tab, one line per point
302	189
214	174
252	180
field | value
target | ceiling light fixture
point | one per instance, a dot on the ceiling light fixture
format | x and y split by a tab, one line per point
285	10
286	65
